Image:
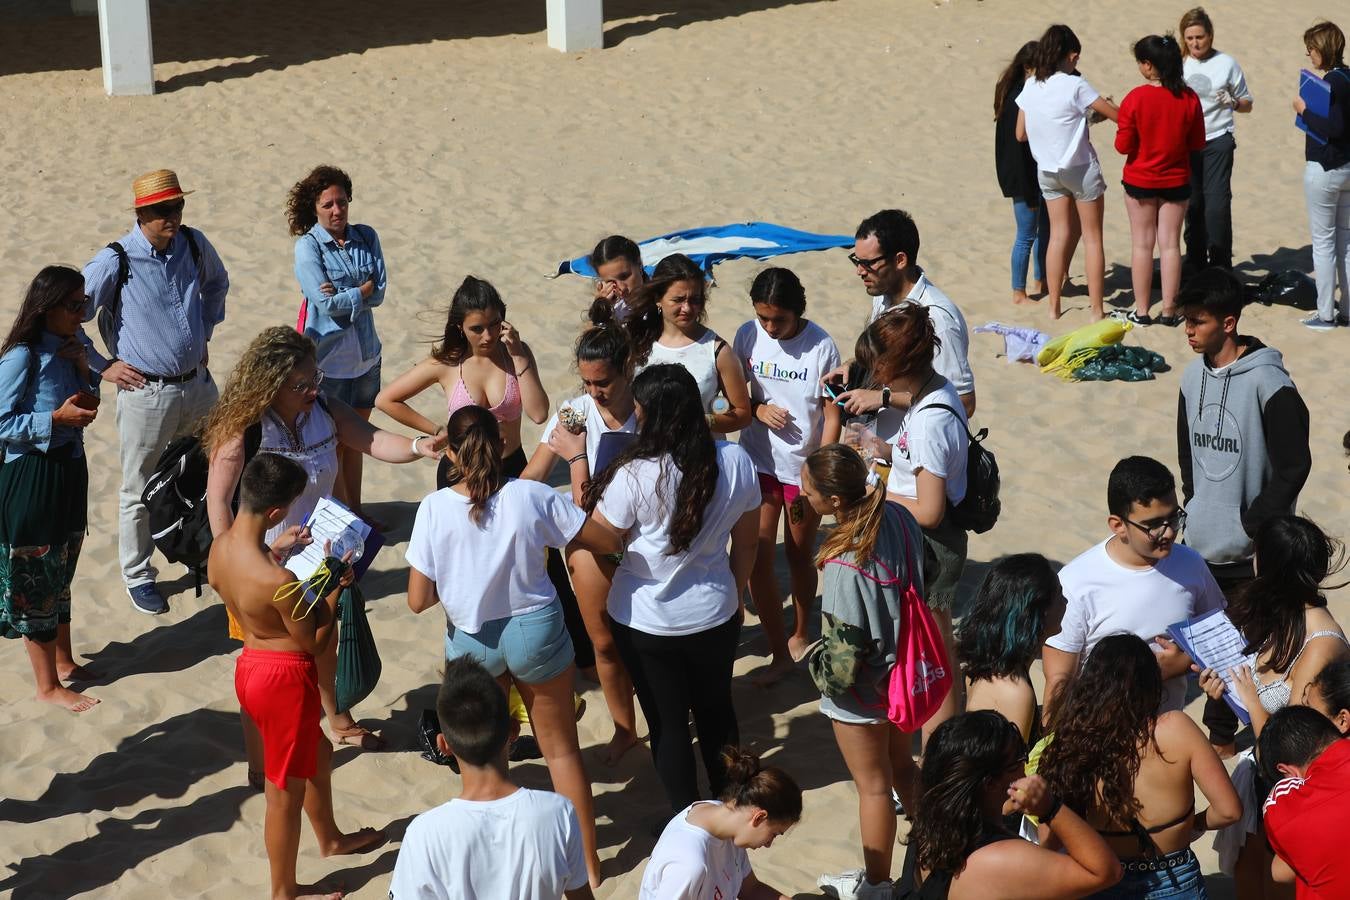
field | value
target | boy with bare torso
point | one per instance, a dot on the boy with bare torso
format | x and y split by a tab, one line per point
275	676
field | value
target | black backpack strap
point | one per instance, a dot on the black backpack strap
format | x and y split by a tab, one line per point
252	441
193	247
973	438
123	276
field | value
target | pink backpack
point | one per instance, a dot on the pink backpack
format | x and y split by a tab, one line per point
922	674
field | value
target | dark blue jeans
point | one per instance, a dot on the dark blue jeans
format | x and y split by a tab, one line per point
1033	234
1181	881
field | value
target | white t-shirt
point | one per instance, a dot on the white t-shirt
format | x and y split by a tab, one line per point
688	863
691	591
1209	76
933	440
787	374
496	569
596	426
525	846
952	357
700	358
1106	598
1057	120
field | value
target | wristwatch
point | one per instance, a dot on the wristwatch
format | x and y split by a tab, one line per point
886	397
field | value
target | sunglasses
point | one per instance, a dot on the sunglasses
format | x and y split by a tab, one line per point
168	210
74	306
867	264
307	386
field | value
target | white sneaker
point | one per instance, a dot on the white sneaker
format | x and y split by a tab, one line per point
851	885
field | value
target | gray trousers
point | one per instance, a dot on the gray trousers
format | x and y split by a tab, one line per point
1209	218
147	420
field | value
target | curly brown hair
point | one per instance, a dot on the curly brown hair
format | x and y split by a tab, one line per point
1103	724
305	194
254	383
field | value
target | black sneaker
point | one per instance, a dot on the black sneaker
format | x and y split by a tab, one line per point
146	598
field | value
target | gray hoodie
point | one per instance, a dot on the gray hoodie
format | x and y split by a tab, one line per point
1242	439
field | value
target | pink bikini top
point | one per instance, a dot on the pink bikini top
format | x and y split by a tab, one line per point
507	411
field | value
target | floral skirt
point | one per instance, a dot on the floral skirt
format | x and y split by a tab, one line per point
43	505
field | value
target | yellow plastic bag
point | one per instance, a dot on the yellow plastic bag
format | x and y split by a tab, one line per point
1064	354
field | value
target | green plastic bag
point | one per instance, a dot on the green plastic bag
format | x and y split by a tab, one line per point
358	663
1119	362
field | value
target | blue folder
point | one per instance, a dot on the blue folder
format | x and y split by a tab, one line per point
1316	93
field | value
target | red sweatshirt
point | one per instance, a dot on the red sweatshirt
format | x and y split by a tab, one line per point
1157	131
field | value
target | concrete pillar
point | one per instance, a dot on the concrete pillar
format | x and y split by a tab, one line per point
128	55
576	25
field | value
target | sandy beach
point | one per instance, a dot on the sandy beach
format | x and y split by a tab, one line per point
474	148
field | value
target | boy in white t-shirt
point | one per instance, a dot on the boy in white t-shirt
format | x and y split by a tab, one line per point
1138	581
496	841
785	357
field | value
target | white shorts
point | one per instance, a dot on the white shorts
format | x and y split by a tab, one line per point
1079	182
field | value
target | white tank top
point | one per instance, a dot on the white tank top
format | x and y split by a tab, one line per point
314	446
700	358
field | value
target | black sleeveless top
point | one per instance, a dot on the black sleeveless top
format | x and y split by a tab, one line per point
938	884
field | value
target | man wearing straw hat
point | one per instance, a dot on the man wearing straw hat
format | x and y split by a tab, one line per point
158	293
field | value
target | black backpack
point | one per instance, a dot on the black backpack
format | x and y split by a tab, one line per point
175	499
979	509
109	313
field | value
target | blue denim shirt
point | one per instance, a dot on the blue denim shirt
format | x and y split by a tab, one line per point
318	258
169	307
29	394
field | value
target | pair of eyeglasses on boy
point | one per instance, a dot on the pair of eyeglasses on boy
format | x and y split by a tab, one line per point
1155	531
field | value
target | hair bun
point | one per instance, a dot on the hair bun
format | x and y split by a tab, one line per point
601	313
742	765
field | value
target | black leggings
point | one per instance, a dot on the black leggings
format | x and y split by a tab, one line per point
512	466
674	676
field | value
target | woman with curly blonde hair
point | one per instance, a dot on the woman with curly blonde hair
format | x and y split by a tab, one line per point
273	403
341	271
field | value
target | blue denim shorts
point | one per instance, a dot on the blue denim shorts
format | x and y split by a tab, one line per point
358	392
533	647
1175	876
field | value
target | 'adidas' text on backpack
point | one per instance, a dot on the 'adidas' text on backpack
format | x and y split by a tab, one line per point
979	509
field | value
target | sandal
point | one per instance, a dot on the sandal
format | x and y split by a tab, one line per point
1136	319
357	736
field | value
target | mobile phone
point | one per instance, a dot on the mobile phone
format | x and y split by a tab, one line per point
834	394
86	400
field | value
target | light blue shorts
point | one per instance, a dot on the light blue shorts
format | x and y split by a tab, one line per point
358	392
533	647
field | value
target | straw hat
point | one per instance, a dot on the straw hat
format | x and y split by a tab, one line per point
154	187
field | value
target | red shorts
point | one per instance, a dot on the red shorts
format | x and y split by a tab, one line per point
771	488
280	692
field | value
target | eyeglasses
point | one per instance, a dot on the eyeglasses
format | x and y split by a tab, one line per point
1176	521
169	210
868	264
74	306
305	387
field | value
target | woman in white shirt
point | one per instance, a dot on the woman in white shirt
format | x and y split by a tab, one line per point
701	853
1053	116
786	356
665	321
602	420
678	495
928	461
1222	87
477	549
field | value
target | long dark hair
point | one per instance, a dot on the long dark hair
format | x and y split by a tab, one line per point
472	295
474	435
673	425
963	755
779	287
48	288
1293	558
1102	721
1014	75
905	340
616	246
644	321
1053	48
1164	53
1001	634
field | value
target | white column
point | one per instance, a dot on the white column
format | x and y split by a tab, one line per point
124	38
576	25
